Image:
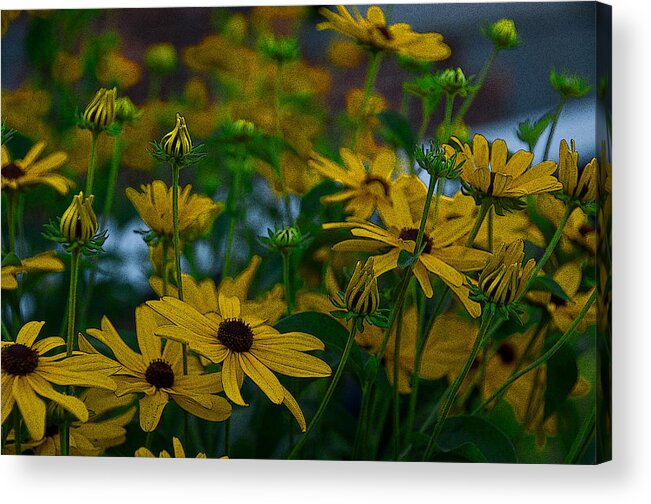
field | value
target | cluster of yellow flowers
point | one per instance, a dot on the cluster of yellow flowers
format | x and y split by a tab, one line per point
447	244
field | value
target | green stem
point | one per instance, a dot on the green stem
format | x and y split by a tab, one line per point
91	164
328	395
491	215
447	117
426	115
279	136
231	208
369	86
465	105
164	266
557	114
451	393
18	431
116	158
551	246
543	358
396	388
227	437
583	437
289	292
11	219
362	424
483	210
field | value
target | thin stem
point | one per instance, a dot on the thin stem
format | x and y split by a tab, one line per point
483	210
447	117
583	437
396	388
91	164
289	292
329	392
480	83
451	393
543	358
426	115
362	424
279	136
11	219
227	437
18	431
231	208
116	158
164	265
491	215
557	114
551	246
369	87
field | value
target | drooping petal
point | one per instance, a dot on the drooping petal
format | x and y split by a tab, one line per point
262	377
32	409
151	409
230	370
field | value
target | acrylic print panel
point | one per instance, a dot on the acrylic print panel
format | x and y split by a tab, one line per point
342	233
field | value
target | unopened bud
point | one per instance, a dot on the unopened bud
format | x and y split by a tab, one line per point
100	112
362	296
177	143
79	222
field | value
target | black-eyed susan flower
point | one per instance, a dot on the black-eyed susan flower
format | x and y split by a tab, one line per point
44	262
578	188
154	204
365	190
178	451
504	279
29	376
489	174
157	372
100	112
79	222
244	344
439	255
374	34
21	173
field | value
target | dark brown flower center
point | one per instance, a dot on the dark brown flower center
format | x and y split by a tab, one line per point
235	334
160	374
489	191
384	31
373	181
12	171
558	301
19	360
412	234
506	353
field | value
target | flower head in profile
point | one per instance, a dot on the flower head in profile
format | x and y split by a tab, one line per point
29	377
44	262
79	222
178	452
244	345
439	254
157	373
374	34
22	173
579	189
489	174
365	190
503	34
568	85
154	204
100	112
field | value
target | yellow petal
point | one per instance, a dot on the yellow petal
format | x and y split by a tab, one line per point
151	409
71	403
262	377
32	409
230	369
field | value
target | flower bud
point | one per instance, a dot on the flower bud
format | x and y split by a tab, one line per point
286	237
362	296
504	280
161	58
100	112
126	111
452	81
281	50
79	223
568	85
503	34
177	143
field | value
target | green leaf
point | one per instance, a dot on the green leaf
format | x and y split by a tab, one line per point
562	374
397	130
11	259
405	259
477	439
530	131
328	330
548	284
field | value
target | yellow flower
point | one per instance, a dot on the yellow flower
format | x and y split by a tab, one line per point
154	204
30	170
361	295
244	344
487	173
203	295
440	256
583	188
91	438
44	262
344	53
578	230
28	376
504	280
100	112
158	373
179	452
79	222
373	33
177	143
365	190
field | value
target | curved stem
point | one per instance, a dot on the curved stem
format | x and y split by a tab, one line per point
557	114
483	210
465	105
329	392
543	358
90	175
451	393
